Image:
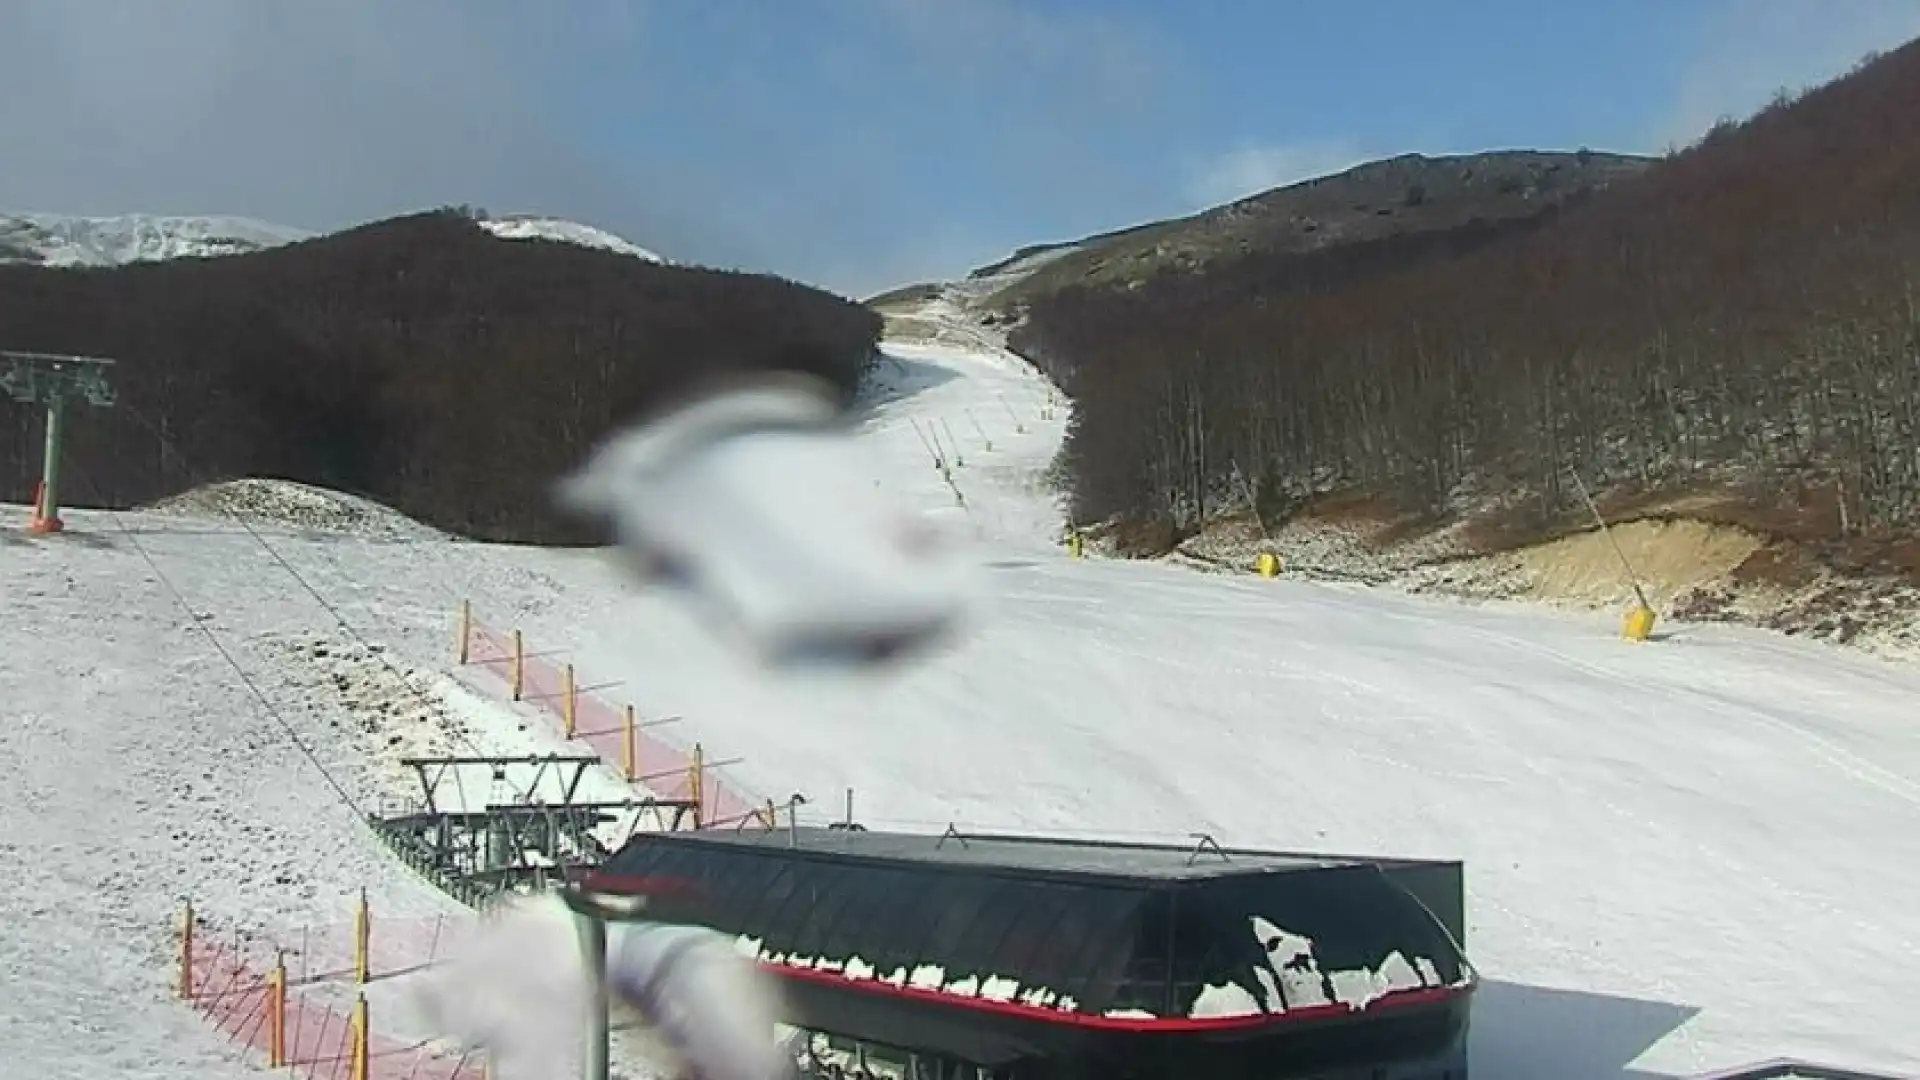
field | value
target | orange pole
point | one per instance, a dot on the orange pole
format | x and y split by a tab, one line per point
466	630
568	700
629	753
519	664
277	1013
362	938
186	953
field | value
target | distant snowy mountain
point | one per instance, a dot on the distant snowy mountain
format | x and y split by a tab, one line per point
64	240
535	227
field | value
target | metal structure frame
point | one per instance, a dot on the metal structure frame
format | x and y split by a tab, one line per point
529	845
514	846
52	380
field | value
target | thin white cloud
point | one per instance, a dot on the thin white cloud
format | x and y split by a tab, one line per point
1099	56
1251	168
324	114
1758	47
317	115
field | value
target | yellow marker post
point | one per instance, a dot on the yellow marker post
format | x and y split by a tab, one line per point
1638	625
695	782
277	1014
629	752
358	1069
519	664
1268	564
569	707
362	939
186	953
466	630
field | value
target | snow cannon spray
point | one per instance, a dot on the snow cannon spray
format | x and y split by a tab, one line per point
713	1010
519	987
752	500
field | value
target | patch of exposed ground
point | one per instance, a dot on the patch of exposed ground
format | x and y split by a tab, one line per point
395	711
1698	559
909	328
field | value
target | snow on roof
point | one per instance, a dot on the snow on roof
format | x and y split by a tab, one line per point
1031	853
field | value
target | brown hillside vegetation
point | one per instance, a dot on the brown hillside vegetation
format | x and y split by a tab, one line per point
1739	325
418	361
1368	203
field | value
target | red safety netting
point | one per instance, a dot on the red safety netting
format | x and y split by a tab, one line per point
664	768
231	986
318	954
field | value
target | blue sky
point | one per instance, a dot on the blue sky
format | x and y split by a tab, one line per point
852	143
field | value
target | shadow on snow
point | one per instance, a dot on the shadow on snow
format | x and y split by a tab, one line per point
892	378
1532	1033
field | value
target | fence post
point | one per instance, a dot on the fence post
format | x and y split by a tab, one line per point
277	1012
629	753
519	663
362	939
696	770
186	953
568	699
466	630
358	1070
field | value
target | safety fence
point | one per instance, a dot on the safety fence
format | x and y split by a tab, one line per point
299	1001
630	742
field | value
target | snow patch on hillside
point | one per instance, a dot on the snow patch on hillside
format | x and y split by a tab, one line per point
285	504
530	227
70	240
67	240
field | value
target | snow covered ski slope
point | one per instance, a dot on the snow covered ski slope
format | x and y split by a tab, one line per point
1681	856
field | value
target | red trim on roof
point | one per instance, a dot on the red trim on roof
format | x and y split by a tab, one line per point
635	884
1158	1024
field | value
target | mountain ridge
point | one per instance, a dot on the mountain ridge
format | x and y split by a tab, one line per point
75	240
1373	201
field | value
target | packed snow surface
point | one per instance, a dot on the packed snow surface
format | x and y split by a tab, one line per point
1682	855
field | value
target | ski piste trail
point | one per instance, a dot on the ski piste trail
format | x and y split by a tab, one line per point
1682	855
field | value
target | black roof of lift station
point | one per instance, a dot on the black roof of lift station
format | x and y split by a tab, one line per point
1035	953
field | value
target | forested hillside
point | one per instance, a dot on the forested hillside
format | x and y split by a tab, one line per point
1740	320
1376	201
419	361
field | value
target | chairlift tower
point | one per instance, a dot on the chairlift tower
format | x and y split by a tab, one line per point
52	380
